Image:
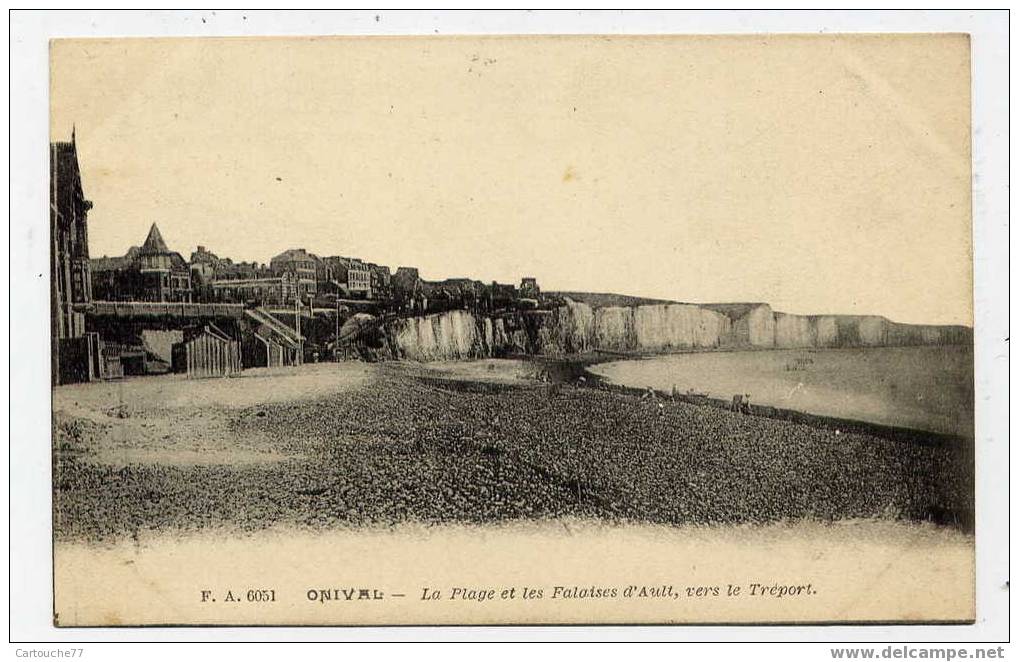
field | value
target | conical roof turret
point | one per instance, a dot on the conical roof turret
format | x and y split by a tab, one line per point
154	243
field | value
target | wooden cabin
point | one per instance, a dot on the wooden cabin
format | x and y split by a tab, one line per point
207	351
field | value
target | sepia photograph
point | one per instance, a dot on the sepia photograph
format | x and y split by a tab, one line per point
503	330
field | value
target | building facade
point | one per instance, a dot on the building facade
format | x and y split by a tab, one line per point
204	266
75	353
304	266
409	290
350	276
529	288
151	272
501	295
381	281
264	291
217	279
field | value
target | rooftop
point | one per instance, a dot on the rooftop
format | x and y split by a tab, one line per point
154	244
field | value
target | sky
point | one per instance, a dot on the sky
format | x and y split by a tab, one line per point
819	174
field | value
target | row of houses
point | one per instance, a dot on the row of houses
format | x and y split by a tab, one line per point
154	272
100	307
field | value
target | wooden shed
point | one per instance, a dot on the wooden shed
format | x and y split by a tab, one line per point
207	352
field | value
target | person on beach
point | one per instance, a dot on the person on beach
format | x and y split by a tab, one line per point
741	403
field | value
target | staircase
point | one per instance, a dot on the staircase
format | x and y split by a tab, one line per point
269	327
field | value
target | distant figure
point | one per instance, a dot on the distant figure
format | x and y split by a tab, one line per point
746	404
649	394
582	381
737	403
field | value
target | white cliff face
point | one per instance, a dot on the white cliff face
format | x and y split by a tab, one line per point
613	328
747	324
457	334
827	332
871	331
499	337
489	331
576	327
904	334
761	326
677	326
568	329
794	331
579	327
450	335
572	328
830	331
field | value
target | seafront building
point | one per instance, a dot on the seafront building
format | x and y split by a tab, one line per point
151	272
348	277
151	310
271	290
75	352
303	266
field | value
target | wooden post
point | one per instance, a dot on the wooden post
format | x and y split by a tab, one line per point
297	325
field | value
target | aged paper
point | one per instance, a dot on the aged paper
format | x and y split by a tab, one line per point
495	330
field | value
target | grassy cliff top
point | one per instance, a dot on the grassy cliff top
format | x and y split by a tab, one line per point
605	299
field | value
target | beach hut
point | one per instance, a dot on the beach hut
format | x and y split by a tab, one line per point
207	351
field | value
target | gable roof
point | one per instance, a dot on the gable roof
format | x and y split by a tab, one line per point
209	329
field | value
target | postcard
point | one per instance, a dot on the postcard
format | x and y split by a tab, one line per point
512	330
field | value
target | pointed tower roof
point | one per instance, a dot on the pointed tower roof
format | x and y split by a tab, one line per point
154	243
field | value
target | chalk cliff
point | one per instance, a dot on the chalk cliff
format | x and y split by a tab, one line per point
578	327
451	335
